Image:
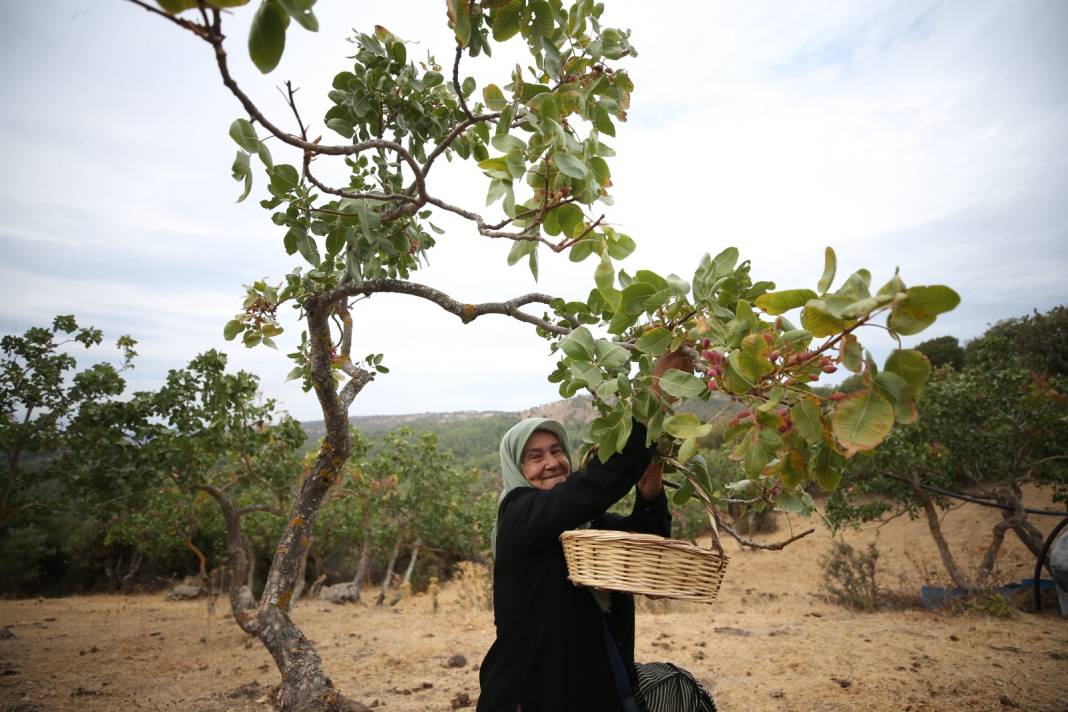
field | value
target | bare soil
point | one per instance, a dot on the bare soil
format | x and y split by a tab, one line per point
771	641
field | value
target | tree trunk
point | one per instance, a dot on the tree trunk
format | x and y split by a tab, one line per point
202	561
411	562
935	526
298	588
365	556
237	556
250	560
305	686
388	578
406	584
135	565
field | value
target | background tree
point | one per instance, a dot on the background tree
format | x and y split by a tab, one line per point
988	431
943	351
40	393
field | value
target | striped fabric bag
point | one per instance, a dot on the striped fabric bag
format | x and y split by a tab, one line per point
663	687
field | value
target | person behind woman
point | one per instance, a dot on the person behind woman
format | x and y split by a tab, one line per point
551	653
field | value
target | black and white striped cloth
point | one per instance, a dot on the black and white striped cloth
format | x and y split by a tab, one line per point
663	687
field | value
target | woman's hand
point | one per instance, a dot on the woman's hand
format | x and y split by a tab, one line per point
652	482
672	359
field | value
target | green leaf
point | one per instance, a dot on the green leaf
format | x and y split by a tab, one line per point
494	97
568	217
688	449
754	359
244	135
506	20
920	308
686	425
570	166
681	384
604	277
507	142
309	250
579	344
300	10
232	329
520	249
683	494
284	178
610	356
460	20
634	297
830	266
806	416
821	468
242	171
610	432
896	390
267	36
784	301
818	321
655	341
912	366
852	354
862	420
586	373
794	470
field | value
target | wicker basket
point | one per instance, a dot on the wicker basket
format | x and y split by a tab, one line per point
643	563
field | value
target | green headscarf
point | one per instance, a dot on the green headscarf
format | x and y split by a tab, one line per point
512	445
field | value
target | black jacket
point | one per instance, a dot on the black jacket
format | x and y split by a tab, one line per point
550	654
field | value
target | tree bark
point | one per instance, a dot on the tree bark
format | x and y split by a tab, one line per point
388	578
131	573
250	559
298	588
406	584
202	561
411	562
935	526
365	555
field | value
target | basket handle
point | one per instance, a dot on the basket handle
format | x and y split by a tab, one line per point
710	508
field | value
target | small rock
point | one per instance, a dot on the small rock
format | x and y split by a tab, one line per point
954	638
778	694
456	661
1006	702
250	690
185	592
460	700
7	669
728	630
6	634
842	682
338	593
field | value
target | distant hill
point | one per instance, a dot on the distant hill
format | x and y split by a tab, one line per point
474	436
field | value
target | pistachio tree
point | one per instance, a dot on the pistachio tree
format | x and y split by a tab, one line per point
540	135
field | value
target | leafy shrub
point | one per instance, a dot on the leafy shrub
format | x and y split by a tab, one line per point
849	576
21	552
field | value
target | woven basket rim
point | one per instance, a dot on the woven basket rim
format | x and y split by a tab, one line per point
622	581
655	540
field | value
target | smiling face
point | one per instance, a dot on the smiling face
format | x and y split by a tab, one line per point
544	461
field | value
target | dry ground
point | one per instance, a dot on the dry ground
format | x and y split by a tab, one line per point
769	643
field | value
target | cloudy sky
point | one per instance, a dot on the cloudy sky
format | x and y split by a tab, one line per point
927	135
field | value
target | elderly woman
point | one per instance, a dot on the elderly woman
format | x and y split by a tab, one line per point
552	649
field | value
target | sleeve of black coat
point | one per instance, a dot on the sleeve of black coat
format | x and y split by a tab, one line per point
648	516
530	516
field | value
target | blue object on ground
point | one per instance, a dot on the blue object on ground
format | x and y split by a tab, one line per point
935	597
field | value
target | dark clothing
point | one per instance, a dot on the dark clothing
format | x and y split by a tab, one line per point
550	653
